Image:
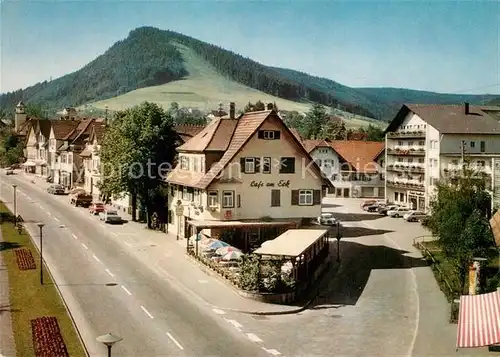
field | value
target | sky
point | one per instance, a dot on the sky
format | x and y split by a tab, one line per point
437	45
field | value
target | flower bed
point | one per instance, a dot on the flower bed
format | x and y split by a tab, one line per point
25	259
47	338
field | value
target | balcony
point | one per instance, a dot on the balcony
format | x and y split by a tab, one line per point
406	134
407	185
407	152
405	168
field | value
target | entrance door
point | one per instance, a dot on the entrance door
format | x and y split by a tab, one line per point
413	202
421	203
186	228
338	192
346	192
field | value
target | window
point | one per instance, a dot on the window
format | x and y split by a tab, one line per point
472	144
421	160
421	143
400	143
269	134
410	143
249	165
305	197
70	158
228	199
185	193
400	159
483	146
454	162
481	163
275	198
213	199
396	195
195	164
287	165
238	201
410	160
184	163
319	162
266	165
197	197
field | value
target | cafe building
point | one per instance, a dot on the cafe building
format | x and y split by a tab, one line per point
243	173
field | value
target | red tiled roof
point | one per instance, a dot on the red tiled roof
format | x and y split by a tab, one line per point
62	128
361	155
311	144
188	129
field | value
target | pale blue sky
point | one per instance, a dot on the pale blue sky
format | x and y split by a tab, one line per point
445	46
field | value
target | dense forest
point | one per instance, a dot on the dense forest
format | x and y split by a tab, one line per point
148	57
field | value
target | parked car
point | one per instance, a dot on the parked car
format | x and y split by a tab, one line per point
56	189
327	219
110	216
387	208
368	203
414	216
9	171
375	207
81	199
398	212
96	208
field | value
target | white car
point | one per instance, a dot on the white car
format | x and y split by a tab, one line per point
327	219
398	212
414	216
110	216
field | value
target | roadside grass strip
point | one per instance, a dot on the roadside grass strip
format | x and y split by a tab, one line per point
31	301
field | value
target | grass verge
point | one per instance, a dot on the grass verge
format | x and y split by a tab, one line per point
29	299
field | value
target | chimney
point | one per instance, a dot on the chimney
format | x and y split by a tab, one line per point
467	108
232	110
270	106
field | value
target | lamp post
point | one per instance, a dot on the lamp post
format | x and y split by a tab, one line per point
15	204
40	225
339	236
109	340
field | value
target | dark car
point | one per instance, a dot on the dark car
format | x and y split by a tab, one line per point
81	199
56	190
383	210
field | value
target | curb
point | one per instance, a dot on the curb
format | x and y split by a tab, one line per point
304	307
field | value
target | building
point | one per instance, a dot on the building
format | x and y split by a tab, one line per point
250	168
59	130
428	143
355	168
92	162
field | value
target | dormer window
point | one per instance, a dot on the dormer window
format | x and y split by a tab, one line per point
269	134
184	163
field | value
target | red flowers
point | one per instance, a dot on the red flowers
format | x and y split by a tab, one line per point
47	338
25	259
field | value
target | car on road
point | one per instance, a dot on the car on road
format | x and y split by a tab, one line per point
327	219
80	198
375	207
9	171
368	203
56	189
414	216
387	208
96	207
110	216
398	212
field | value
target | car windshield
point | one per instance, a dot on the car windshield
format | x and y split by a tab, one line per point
112	213
327	215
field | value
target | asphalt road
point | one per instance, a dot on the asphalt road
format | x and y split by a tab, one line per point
107	290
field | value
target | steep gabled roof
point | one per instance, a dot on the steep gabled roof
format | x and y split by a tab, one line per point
214	137
44	127
361	155
62	128
311	144
98	130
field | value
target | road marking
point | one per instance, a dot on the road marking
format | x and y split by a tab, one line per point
203	281
253	337
125	289
235	323
174	341
128	244
50	214
74	236
84	246
95	257
147	312
218	311
271	351
113	233
110	273
56	219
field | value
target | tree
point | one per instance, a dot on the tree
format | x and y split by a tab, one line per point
333	130
251	107
313	123
11	148
460	212
374	133
36	110
137	150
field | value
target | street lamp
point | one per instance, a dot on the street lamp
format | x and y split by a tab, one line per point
15	204
40	225
109	340
339	236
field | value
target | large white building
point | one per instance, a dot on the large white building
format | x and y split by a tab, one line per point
427	143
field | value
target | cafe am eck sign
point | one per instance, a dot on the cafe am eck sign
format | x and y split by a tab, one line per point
281	183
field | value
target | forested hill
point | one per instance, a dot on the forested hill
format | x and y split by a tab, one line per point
150	57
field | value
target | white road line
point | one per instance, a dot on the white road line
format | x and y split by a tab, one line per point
218	311
126	290
128	244
110	273
253	337
113	233
55	218
84	246
174	341
271	351
203	281
50	214
147	312
95	257
235	323
74	236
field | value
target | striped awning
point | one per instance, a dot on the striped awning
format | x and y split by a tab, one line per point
479	320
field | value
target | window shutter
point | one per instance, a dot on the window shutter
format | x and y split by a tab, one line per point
295	197
257	164
242	164
261	134
275	198
277	134
316	197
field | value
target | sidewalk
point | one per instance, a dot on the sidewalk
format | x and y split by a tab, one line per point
7	344
165	254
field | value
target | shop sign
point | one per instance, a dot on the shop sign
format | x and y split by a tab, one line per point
415	193
280	183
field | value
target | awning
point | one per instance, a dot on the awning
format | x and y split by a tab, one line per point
29	163
479	320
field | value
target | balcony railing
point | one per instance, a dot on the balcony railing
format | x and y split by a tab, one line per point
407	152
408	185
405	168
406	134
